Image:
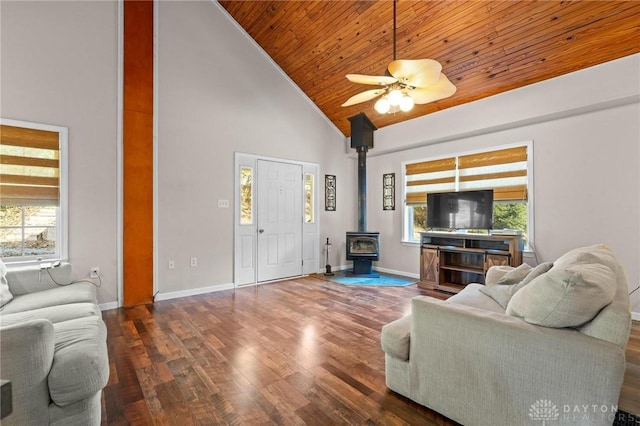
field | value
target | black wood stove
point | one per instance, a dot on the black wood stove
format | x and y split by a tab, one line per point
362	247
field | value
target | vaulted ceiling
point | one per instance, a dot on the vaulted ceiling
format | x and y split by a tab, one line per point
485	47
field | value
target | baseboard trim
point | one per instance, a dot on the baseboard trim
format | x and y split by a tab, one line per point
394	272
635	316
193	292
108	306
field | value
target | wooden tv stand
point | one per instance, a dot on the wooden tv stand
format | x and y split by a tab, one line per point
449	260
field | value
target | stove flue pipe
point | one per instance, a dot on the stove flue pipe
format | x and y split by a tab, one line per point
362	188
362	140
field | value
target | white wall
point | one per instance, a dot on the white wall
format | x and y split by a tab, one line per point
219	94
586	132
58	66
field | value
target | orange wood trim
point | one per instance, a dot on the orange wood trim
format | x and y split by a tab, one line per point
138	152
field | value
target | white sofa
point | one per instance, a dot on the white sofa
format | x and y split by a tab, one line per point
52	348
533	360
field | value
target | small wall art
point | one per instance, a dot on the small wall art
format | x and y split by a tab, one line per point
389	191
330	193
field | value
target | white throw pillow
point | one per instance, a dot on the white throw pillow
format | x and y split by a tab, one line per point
515	275
597	253
503	293
5	294
566	296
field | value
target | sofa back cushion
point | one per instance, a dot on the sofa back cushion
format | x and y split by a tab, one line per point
30	279
504	289
566	296
613	322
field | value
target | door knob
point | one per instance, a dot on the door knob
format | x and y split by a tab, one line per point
261	230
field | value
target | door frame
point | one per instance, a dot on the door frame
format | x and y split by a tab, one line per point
247	274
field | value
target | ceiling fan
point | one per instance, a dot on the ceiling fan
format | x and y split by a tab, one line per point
408	82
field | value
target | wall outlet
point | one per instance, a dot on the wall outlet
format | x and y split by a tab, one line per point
194	262
94	272
172	264
223	204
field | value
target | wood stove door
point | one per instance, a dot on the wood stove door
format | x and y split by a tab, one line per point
279	220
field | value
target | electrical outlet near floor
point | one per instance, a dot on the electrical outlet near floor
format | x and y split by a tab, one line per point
94	272
194	262
172	264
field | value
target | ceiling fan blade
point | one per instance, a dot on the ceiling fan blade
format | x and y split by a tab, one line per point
443	89
378	80
363	97
416	72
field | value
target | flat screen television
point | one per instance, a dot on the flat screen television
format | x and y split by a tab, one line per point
460	210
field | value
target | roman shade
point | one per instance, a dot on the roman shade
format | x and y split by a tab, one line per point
29	166
503	170
429	176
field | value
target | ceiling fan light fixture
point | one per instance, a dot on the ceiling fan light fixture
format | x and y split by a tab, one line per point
395	96
408	82
406	103
382	105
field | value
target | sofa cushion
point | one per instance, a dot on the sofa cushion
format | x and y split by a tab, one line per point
80	361
29	279
515	275
471	295
54	314
597	253
496	272
566	296
82	292
395	338
503	293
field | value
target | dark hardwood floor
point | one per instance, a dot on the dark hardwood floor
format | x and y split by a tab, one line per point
303	351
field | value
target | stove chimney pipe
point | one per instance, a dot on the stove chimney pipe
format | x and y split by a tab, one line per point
361	140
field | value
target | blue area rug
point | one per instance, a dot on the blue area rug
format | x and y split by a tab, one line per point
347	278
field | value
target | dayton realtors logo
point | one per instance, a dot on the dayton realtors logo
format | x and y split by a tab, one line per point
546	411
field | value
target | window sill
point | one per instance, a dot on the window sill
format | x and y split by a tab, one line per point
20	263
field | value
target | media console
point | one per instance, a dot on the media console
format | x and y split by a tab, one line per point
450	261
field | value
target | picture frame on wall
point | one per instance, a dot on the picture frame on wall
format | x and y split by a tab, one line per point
330	193
389	191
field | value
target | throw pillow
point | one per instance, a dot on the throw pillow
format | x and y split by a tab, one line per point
5	294
515	275
598	253
503	293
566	296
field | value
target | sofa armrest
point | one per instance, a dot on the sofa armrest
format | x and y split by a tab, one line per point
462	353
26	356
395	338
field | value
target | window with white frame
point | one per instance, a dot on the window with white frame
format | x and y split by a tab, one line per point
32	191
505	170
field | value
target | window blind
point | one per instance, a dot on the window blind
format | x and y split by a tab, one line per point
503	170
429	176
29	166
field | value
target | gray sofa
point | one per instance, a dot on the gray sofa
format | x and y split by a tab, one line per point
551	350
52	348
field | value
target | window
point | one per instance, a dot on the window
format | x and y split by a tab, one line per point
504	170
246	196
309	196
32	191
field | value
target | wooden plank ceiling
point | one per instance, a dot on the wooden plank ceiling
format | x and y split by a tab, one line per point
485	47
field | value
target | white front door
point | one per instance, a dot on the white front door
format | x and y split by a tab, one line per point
279	206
